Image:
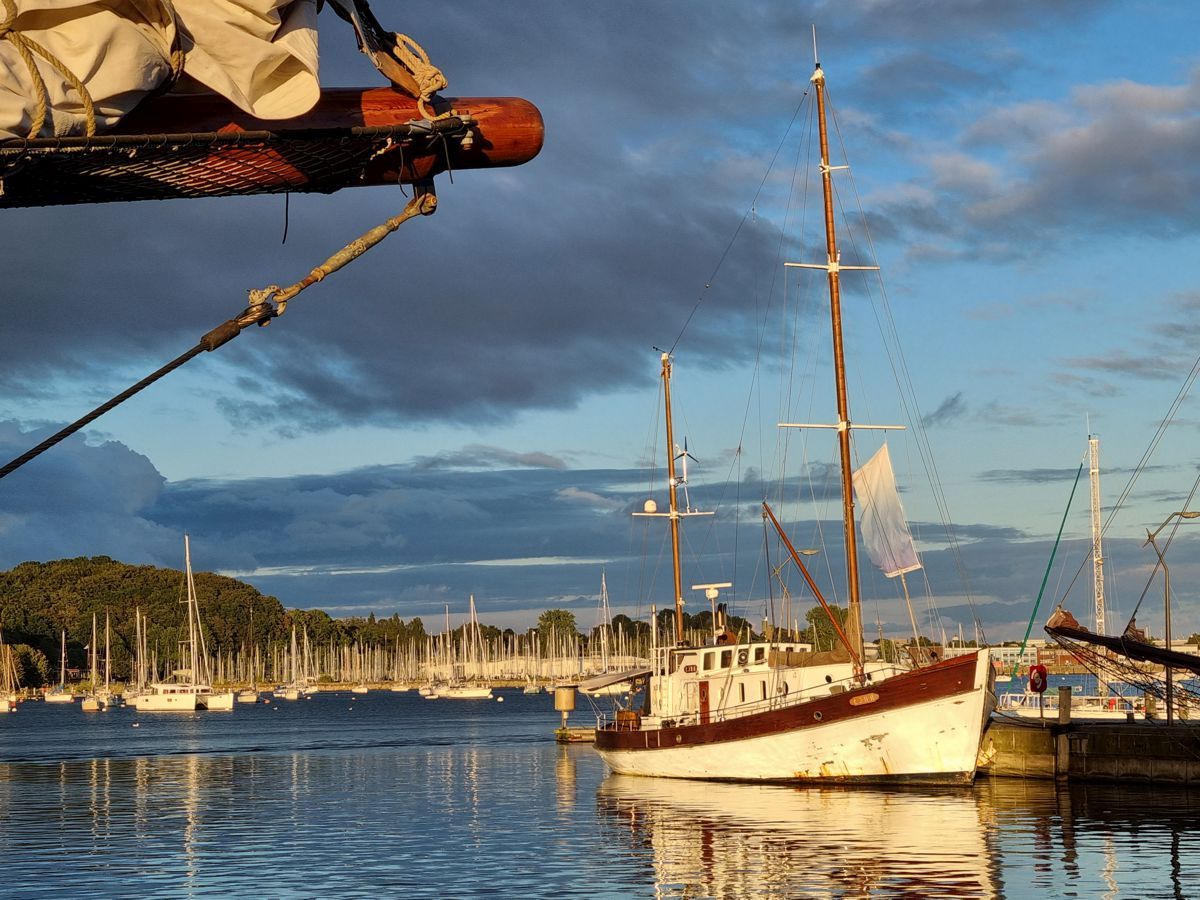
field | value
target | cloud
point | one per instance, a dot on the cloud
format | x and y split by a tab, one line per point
949	410
485	457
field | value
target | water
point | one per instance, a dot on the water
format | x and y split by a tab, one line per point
392	795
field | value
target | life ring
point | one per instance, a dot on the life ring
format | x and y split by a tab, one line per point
1037	679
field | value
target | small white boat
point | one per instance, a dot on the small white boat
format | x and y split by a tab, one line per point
192	689
248	696
464	692
60	694
1030	705
359	689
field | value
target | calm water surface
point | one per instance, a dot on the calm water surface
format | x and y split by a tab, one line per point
392	795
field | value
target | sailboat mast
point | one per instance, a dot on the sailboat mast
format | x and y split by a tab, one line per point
1097	553
854	616
674	502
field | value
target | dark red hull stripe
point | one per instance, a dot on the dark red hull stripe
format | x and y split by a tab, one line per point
943	679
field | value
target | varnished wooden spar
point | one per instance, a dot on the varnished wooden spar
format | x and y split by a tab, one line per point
202	146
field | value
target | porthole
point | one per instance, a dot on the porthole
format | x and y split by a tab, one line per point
818	715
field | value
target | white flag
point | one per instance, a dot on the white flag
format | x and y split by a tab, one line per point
884	528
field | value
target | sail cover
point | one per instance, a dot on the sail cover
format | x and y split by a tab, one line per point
259	54
884	528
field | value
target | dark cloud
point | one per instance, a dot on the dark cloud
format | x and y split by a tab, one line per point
949	410
480	456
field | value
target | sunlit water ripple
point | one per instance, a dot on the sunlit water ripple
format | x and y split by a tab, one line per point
391	795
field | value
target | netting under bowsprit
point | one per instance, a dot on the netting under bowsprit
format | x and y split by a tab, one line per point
352	138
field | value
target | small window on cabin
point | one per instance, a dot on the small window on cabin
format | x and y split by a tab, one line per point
742	689
759	653
763	685
709	661
726	659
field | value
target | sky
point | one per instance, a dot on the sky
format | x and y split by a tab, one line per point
472	408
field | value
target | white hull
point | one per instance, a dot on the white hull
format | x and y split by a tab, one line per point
248	697
926	741
463	693
213	701
57	697
182	698
181	701
7	705
359	689
1026	706
288	694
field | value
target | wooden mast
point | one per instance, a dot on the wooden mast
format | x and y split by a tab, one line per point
854	614
677	569
673	513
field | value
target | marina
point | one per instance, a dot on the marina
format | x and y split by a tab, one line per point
784	583
154	811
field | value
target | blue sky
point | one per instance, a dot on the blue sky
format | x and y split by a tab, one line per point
471	408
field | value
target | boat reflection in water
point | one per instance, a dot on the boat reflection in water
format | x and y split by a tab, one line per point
727	840
999	838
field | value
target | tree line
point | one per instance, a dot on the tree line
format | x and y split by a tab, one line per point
40	600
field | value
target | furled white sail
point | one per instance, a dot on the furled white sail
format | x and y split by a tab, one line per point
884	528
259	54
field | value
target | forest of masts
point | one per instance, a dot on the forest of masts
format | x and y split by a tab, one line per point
462	655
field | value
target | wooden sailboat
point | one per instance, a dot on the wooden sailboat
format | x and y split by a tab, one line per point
744	710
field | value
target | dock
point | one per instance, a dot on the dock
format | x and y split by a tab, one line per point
1147	751
575	734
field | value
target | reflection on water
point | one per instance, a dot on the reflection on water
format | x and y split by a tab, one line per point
753	840
384	799
998	839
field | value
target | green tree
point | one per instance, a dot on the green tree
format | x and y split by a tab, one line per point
559	622
820	632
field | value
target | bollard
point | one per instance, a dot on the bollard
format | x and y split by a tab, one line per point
1064	705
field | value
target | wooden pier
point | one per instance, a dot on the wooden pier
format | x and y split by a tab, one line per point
1148	751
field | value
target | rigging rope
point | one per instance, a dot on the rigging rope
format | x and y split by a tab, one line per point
265	304
1046	577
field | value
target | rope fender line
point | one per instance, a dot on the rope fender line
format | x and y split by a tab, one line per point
265	304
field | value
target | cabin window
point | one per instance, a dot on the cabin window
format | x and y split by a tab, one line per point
709	661
763	685
726	659
742	689
759	653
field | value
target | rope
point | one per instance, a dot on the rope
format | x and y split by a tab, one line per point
423	204
429	77
27	48
1046	577
260	312
223	333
